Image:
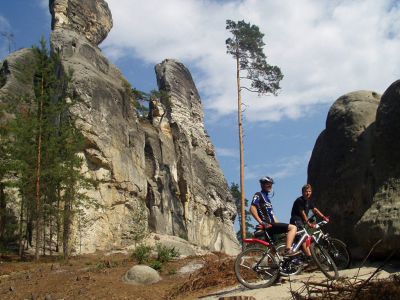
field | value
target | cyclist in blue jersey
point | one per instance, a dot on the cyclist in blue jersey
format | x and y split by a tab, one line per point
262	210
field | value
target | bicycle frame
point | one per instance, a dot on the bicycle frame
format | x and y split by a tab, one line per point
304	236
257	241
286	265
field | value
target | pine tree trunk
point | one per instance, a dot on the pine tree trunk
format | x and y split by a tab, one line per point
3	207
58	225
44	234
51	233
241	145
20	229
67	225
38	170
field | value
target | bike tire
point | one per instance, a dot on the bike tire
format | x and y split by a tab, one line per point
324	261
256	267
288	268
339	251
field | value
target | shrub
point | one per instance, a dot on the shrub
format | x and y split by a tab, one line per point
172	271
142	253
165	253
156	265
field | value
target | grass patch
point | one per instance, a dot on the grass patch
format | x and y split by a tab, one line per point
165	253
142	254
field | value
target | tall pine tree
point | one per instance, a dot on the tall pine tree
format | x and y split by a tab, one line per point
246	47
45	157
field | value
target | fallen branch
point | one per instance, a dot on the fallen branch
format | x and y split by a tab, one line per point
373	274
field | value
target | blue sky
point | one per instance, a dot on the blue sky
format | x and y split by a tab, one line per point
325	48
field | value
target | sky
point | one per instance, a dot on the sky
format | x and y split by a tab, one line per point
324	48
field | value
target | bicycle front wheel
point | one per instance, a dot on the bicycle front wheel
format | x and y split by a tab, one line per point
256	268
324	262
338	251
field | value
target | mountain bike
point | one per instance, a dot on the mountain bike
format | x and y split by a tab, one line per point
261	264
337	249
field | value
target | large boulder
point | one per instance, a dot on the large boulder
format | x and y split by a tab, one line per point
141	274
340	166
354	169
382	219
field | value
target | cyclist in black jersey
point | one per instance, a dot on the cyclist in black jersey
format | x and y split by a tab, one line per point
262	210
300	211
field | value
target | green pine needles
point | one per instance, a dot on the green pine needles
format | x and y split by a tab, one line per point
41	149
247	47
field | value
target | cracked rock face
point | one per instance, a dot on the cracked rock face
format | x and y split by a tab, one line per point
92	18
354	169
16	74
159	175
203	192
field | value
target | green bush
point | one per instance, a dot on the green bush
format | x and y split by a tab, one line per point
142	253
165	253
156	265
172	271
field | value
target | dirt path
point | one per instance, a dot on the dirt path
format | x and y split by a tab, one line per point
281	290
100	277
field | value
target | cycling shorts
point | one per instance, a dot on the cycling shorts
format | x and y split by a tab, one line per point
278	228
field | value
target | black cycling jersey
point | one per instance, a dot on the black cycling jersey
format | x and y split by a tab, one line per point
299	205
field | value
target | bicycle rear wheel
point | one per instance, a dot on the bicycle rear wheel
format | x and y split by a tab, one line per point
339	252
289	266
256	267
324	262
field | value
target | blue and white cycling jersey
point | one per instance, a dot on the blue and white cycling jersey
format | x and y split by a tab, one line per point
263	204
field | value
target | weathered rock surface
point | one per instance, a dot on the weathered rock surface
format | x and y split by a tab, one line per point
91	18
203	191
159	176
382	219
183	247
141	274
354	169
16	75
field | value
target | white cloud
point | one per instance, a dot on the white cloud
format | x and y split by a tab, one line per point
281	168
44	3
226	152
4	24
324	48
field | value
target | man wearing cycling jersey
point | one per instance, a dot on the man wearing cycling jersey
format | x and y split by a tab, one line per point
302	206
262	210
300	210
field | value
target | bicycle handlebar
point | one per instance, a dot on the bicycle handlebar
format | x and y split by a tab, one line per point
321	223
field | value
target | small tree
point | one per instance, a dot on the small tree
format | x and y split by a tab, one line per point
246	47
236	194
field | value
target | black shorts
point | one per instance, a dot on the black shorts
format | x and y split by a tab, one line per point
278	228
297	222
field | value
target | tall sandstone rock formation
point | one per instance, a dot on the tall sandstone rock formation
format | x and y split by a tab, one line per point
157	175
355	169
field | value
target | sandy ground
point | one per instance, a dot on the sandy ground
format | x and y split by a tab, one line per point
100	277
281	290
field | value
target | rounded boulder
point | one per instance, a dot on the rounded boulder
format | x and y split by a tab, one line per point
141	274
